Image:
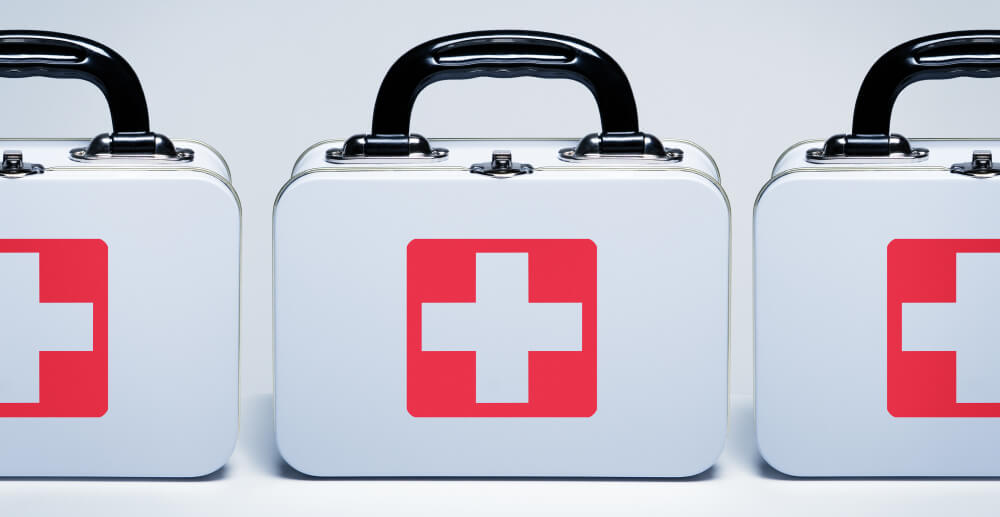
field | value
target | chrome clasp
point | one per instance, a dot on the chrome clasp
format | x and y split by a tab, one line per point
502	165
981	165
14	166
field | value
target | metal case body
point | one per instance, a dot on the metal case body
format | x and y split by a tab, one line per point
341	237
825	238
171	230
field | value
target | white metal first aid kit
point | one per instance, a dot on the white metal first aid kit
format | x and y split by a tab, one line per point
516	307
119	287
877	277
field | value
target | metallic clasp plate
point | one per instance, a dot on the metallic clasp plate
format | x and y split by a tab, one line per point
981	166
501	166
143	146
851	148
601	147
374	149
14	166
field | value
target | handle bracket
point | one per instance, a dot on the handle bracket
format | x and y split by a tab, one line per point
370	146
848	148
131	145
596	146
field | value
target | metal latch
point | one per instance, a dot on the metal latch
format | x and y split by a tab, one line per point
981	165
14	166
502	166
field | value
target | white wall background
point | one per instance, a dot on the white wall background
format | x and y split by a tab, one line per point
263	80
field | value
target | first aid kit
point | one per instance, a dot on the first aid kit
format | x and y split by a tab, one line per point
877	271
502	307
119	267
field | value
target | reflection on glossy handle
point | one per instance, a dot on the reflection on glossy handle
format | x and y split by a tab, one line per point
51	54
939	56
504	54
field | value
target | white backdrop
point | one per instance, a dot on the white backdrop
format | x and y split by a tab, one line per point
261	81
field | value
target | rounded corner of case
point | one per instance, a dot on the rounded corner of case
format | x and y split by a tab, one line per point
702	469
767	188
210	471
713	185
289	459
704	153
218	181
288	186
310	149
768	461
711	459
220	460
205	147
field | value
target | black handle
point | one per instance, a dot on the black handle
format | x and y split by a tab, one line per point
25	53
938	56
51	54
503	53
